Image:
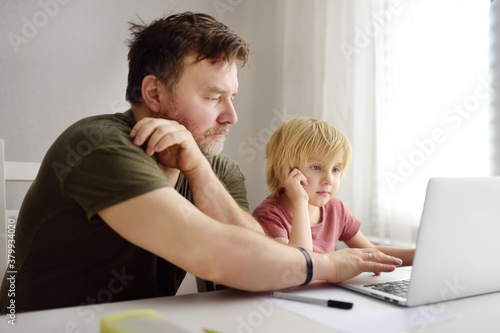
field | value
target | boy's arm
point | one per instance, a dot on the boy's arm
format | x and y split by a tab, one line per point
405	254
300	235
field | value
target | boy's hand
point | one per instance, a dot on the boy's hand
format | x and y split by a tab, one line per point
294	188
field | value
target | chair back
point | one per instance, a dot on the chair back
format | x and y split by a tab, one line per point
11	172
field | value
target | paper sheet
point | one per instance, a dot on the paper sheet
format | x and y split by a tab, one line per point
367	315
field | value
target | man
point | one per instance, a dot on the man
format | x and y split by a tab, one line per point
124	204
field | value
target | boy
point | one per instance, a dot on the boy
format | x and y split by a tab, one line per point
305	161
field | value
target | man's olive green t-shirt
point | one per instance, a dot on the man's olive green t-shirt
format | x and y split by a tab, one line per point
66	255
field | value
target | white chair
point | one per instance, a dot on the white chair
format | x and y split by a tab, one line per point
11	172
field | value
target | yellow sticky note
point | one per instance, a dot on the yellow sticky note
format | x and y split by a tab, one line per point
142	320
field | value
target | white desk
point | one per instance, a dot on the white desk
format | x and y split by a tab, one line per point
234	311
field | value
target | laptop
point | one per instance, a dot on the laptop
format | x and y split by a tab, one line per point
458	247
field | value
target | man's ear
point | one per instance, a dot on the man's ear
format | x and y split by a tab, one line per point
150	92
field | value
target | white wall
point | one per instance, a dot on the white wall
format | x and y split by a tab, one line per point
495	79
63	60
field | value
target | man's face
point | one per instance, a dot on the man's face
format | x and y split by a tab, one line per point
203	102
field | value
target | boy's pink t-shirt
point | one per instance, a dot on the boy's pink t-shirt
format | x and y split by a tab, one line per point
337	223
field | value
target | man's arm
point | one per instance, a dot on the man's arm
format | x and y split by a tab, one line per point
175	147
212	198
165	223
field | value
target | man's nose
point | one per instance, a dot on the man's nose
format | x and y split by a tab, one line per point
228	114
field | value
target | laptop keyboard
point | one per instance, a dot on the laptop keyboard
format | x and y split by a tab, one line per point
397	288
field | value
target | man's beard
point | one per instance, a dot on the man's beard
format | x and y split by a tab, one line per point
213	148
207	148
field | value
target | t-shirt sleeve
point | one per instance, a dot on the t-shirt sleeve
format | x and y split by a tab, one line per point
105	173
231	176
352	223
271	219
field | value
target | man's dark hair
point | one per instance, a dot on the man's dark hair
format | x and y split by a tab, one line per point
161	47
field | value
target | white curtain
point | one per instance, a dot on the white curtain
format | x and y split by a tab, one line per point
433	120
407	81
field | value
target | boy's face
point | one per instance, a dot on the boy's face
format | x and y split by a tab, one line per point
323	179
204	102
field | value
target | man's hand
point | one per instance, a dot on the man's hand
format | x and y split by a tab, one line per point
348	263
172	143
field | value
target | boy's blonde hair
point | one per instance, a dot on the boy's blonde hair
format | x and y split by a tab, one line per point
296	141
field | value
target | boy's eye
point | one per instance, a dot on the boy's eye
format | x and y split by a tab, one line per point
315	167
336	170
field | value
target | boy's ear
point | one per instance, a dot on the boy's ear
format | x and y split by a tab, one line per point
150	92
